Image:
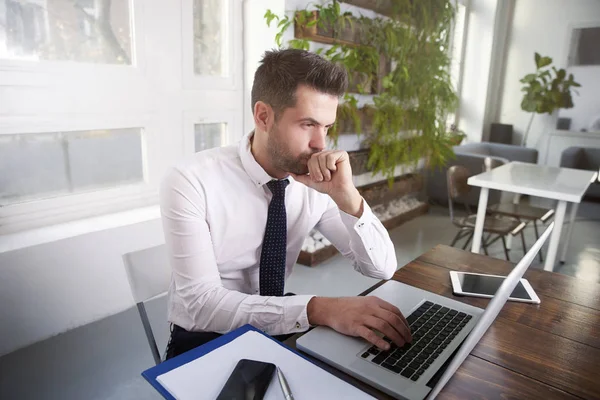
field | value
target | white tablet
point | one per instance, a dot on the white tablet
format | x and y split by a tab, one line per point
482	285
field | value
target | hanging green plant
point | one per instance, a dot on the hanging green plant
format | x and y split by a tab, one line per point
403	60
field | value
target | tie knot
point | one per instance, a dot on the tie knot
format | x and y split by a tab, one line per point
278	187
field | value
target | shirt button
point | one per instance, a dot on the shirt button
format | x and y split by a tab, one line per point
298	326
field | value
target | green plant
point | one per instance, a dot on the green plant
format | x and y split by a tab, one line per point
411	45
546	90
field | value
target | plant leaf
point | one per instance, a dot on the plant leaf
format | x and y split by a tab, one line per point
269	16
544	61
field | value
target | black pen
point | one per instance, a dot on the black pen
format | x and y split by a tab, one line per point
287	393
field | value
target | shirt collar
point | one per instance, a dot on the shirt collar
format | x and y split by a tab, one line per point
256	173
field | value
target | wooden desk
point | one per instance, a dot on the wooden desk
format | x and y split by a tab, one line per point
546	351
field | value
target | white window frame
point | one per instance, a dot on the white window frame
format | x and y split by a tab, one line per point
46	69
44	211
234	34
133	97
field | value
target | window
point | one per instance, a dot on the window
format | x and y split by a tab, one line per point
206	130
37	166
209	61
94	107
457	44
66	30
210	37
207	136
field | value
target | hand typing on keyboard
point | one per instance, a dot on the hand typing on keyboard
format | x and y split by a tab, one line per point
433	328
361	317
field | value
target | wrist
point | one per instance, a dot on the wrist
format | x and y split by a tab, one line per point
350	202
317	311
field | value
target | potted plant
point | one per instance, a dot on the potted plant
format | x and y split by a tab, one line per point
546	90
406	54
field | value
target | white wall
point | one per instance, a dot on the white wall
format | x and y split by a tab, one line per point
257	39
538	26
49	288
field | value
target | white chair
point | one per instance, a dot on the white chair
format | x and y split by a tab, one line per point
149	276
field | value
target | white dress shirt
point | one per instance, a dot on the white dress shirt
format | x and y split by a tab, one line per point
214	212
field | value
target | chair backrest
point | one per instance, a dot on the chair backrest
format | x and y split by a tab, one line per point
457	176
458	188
490	163
148	271
149	276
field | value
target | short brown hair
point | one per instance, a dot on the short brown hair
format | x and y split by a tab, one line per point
282	71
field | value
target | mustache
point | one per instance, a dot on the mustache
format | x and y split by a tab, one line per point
308	155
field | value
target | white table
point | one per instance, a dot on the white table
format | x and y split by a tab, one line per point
562	184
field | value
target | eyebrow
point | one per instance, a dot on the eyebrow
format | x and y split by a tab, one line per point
314	121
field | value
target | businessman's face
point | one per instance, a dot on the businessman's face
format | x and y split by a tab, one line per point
301	130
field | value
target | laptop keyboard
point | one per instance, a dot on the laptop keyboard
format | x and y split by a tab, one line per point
433	327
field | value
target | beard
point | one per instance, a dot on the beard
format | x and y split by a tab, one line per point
281	156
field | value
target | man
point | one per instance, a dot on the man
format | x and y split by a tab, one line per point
235	218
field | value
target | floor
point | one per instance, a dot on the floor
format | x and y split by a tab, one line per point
103	360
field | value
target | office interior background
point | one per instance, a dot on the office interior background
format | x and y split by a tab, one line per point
98	98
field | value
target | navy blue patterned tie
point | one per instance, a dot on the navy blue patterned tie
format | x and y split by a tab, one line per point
272	257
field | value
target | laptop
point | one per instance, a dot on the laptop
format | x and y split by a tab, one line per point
444	333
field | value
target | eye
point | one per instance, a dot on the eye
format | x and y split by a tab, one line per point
309	125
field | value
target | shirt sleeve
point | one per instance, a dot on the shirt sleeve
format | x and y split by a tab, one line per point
364	240
196	284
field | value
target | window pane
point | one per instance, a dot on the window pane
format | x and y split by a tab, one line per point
207	136
94	31
42	165
211	21
457	44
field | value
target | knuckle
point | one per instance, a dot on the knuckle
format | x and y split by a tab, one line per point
380	325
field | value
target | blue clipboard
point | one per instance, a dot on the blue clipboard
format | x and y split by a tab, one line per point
152	373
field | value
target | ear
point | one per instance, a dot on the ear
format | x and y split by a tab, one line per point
263	116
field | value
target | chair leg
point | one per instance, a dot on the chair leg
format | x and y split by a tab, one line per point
523	243
149	335
485	245
467	241
505	248
537	236
458	236
487	238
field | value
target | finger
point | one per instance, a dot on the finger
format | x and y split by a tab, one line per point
372	337
385	327
304	179
322	158
332	160
390	307
314	169
402	332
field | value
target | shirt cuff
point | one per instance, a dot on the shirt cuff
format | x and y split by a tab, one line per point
353	223
296	317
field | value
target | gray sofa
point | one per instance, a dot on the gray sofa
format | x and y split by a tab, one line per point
472	156
583	158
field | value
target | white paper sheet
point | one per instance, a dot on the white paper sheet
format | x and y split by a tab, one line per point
204	377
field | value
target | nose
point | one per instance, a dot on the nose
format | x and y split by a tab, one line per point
317	141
